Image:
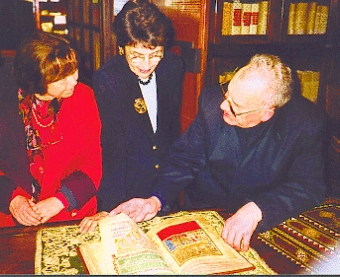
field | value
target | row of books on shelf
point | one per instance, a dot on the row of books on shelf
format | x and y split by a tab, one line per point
307	19
244	18
304	18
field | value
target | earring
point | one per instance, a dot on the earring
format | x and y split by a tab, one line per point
121	51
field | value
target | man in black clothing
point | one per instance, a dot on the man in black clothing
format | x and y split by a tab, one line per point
254	150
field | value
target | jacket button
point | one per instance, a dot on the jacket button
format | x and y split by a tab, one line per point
73	213
157	166
154	147
41	170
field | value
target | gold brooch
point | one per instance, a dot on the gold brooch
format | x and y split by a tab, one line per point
140	106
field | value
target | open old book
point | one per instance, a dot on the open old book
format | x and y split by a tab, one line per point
185	244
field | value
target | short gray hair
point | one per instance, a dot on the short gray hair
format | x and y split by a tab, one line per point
280	74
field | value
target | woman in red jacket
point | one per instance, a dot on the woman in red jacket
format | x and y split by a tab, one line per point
62	129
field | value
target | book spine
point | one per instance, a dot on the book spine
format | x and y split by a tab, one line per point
254	18
317	20
246	18
311	18
309	84
291	19
237	18
226	19
300	18
263	18
323	20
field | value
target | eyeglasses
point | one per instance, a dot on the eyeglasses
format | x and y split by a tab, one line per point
226	97
138	59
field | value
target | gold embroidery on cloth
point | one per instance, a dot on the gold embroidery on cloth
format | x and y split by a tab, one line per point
56	247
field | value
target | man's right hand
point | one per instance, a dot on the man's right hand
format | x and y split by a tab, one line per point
21	209
139	209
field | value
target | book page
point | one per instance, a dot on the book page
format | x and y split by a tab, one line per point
96	261
190	245
131	250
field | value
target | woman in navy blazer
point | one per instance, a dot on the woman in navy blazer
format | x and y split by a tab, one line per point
139	97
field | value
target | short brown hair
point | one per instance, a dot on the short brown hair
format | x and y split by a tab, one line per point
41	60
142	22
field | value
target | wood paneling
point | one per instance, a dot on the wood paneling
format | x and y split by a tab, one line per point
190	19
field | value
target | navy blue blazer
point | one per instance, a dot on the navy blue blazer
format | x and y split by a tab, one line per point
132	152
282	172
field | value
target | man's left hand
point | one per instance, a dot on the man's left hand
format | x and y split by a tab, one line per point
239	228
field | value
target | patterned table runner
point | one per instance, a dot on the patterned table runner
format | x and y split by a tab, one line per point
56	247
309	239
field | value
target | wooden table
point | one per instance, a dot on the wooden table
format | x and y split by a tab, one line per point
17	250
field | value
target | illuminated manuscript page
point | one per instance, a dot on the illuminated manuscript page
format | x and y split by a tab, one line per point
191	245
131	250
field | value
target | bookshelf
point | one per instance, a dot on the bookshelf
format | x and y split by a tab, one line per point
305	34
245	21
310	21
89	32
292	32
51	16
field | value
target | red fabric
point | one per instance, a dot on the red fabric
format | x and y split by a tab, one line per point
63	199
6	220
1	173
178	229
79	150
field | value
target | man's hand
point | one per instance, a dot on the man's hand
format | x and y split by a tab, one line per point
48	208
239	228
21	209
88	224
139	209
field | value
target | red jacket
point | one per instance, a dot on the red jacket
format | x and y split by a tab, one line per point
71	168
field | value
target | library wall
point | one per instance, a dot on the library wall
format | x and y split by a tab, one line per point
305	35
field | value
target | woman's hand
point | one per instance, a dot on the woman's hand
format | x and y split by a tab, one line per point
88	224
139	209
48	208
21	209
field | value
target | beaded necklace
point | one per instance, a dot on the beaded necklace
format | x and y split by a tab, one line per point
36	120
146	82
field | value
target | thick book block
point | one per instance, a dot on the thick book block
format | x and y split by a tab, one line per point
182	243
309	84
246	18
300	19
254	18
291	19
323	20
226	19
237	18
263	18
317	24
311	18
